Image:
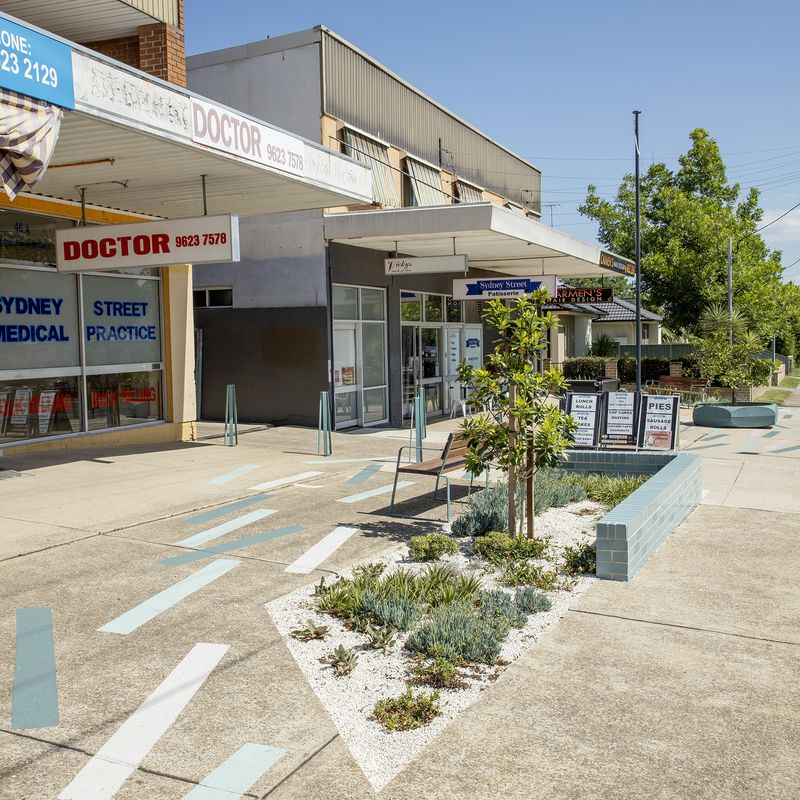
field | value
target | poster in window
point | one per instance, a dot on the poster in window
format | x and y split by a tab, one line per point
348	376
4	411
20	411
45	410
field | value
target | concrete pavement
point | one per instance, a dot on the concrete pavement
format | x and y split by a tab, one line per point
681	683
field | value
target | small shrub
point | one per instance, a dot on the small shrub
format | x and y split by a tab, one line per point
311	631
580	560
487	511
610	490
369	572
440	674
500	607
531	601
499	548
381	638
431	547
397	612
555	488
408	711
584	368
604	346
341	659
523	573
759	372
458	634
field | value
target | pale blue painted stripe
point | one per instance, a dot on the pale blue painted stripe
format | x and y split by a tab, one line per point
715	436
226	527
34	700
771	434
234	776
149	609
787	449
706	446
221	511
228	547
365	474
355	498
229	476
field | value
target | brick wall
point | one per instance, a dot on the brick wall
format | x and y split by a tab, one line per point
158	49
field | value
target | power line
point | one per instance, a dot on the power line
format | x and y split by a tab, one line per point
797	205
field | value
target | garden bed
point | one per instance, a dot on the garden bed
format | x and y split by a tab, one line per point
351	698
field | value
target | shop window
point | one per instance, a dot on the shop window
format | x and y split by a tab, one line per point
126	398
372	304
469	193
374	155
433	308
219	297
410	307
33	408
453	310
345	302
473	310
425	183
28	239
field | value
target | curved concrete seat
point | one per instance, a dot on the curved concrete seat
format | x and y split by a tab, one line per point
744	415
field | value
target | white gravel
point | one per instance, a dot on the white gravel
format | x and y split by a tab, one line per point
350	699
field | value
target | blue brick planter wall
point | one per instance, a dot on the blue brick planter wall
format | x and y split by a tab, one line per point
630	533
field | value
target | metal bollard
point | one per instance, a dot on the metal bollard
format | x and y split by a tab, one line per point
231	436
324	436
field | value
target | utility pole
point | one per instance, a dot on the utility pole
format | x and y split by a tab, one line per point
551	206
730	294
638	260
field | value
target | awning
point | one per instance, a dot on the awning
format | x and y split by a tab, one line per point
139	144
492	238
28	135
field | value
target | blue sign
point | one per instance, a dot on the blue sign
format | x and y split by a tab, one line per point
36	65
473	342
483	288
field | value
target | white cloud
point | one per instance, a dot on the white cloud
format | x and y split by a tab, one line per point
784	230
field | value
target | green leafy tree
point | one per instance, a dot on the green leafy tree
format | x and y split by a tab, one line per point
687	216
525	429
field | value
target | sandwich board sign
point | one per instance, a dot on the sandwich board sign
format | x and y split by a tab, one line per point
585	410
620	418
658	425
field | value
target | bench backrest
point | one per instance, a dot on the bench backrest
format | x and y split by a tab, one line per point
679	380
456	446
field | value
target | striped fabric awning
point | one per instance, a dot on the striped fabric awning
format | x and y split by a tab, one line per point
28	134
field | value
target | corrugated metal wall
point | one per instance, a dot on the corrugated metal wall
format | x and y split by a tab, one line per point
165	10
360	93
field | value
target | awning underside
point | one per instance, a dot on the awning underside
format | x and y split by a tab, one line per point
493	238
162	177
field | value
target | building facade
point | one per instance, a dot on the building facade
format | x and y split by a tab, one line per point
85	141
313	304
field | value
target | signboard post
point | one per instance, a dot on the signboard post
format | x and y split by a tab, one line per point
658	428
425	266
502	288
195	240
621	417
585	410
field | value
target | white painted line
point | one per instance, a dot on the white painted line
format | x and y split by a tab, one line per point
355	498
104	774
229	476
260	487
706	493
226	527
158	604
352	460
309	486
324	548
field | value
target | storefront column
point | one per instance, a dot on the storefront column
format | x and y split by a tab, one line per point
179	349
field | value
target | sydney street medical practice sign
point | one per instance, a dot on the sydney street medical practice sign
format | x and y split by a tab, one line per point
196	240
34	64
501	288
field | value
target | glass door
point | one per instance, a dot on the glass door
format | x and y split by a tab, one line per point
454	357
431	368
410	366
345	373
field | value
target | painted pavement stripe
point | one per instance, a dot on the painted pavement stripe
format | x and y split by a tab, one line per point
226	527
787	449
34	700
323	549
236	473
351	460
355	498
221	511
149	609
706	446
771	434
365	474
301	476
104	774
229	547
715	436
234	776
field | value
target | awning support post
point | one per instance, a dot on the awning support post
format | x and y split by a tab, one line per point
205	199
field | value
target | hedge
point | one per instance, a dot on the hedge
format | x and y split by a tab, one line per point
588	368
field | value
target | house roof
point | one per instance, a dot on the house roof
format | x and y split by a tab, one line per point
622	311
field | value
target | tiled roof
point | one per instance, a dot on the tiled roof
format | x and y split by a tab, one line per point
622	311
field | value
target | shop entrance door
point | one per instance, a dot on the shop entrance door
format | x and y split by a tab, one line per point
422	361
346	377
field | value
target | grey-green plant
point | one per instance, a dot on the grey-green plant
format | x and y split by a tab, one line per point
579	560
438	673
499	548
311	631
499	606
394	611
610	490
524	430
407	711
381	637
431	547
487	510
532	601
341	659
458	633
524	573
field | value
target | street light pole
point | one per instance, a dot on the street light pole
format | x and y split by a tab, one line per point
730	294
638	260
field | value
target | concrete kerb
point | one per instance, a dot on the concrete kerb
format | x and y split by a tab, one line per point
630	533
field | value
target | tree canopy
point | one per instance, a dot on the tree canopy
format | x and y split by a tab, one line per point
687	216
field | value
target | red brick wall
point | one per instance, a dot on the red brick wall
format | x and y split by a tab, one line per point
125	50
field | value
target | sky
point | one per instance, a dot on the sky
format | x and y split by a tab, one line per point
557	82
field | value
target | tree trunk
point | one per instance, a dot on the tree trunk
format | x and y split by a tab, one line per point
530	502
512	472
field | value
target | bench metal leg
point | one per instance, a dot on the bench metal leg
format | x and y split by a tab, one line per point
447	485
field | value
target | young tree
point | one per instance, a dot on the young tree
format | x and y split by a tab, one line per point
525	428
687	217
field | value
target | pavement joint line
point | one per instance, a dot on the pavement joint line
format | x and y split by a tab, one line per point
50	547
299	767
677	625
733	484
39	522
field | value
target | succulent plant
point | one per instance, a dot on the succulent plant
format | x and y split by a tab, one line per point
311	631
381	638
528	599
341	659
